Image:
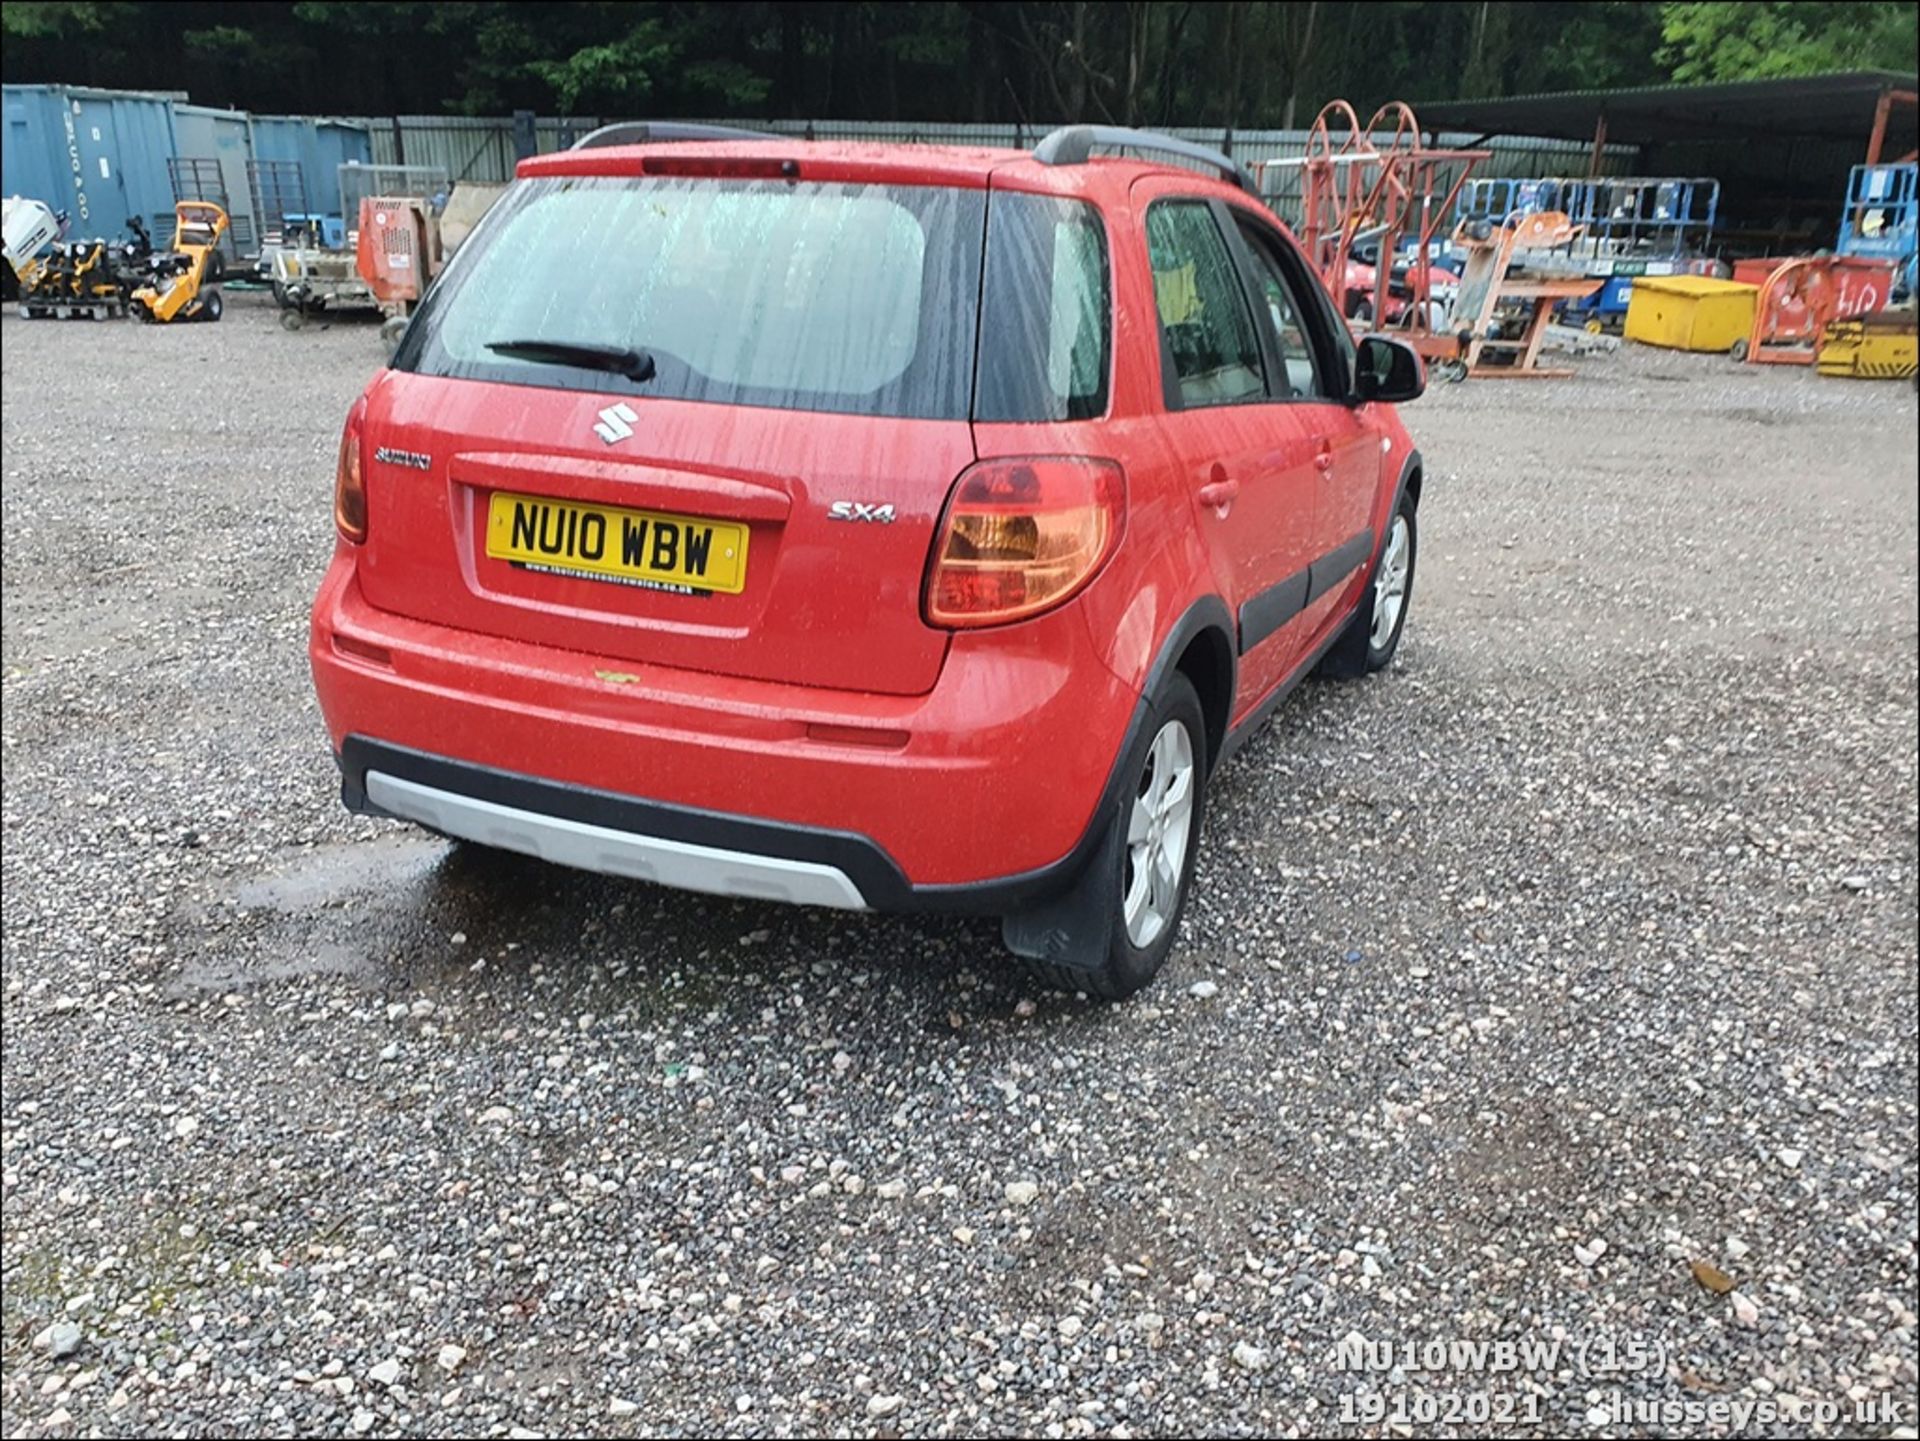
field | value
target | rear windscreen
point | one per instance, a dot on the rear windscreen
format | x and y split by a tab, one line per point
853	298
861	299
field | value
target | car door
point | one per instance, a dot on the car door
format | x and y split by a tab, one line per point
1314	354
1246	464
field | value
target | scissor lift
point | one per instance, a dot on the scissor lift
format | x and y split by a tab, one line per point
1882	217
1629	226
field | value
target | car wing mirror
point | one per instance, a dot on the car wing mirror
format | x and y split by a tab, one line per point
1388	370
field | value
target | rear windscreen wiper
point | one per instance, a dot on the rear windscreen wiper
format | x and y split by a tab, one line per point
621	360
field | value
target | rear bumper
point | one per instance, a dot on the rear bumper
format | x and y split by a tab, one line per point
615	835
979	796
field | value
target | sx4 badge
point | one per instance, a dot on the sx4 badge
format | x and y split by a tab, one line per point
860	510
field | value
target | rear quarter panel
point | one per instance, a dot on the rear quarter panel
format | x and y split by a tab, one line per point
1160	568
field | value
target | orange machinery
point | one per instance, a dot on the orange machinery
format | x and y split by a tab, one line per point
398	250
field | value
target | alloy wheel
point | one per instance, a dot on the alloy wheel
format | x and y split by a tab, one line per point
1390	589
1159	830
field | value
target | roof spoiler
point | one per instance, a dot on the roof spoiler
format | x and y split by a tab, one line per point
653	132
1073	145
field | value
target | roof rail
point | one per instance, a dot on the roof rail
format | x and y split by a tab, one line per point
1073	145
646	132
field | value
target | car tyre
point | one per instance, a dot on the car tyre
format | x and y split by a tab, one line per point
1112	934
1372	637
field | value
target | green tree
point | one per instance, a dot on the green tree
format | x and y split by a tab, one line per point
1758	39
1149	62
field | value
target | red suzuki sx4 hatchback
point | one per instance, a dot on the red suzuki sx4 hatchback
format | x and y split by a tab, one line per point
873	526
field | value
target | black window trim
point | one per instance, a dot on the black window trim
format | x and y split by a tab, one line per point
1315	310
1170	394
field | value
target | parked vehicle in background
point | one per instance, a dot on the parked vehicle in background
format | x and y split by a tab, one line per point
873	526
30	227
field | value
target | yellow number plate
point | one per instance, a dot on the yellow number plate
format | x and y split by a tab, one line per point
602	542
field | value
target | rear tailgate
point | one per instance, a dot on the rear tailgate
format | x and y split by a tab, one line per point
820	601
703	421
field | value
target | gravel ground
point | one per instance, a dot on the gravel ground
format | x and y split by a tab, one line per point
1577	950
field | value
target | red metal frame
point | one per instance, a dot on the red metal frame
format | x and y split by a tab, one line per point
1801	297
1881	112
1351	186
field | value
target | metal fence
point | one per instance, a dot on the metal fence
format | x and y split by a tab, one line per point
483	148
467	147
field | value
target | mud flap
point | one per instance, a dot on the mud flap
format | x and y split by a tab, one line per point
1075	927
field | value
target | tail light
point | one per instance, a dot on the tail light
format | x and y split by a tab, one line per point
1021	536
349	487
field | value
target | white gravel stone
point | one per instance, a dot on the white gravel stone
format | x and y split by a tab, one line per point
59	1340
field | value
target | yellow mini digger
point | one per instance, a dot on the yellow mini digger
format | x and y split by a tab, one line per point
180	287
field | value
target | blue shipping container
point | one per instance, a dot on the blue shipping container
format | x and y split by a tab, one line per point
319	147
217	141
99	155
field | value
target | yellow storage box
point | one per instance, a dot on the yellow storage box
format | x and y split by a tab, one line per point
1690	312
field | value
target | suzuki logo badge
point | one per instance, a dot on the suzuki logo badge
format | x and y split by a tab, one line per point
616	423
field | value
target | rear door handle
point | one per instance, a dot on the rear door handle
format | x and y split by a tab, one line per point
1219	493
1323	460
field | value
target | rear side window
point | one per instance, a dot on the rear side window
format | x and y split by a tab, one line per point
806	296
1205	325
1045	340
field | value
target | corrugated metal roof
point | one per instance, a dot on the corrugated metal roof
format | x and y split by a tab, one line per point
1836	106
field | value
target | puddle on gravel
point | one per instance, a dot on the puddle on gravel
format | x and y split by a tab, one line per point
382	913
332	873
331	960
339	911
368	910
